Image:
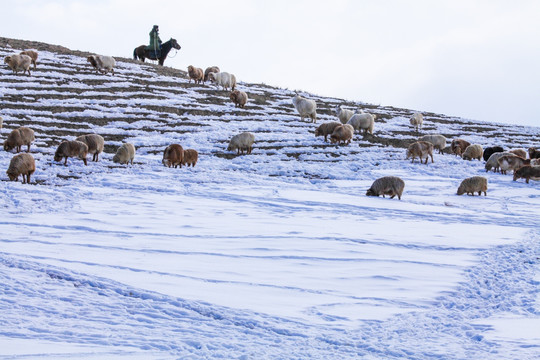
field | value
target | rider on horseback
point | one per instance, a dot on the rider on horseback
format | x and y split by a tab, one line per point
155	41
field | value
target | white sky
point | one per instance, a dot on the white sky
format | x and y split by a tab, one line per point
474	59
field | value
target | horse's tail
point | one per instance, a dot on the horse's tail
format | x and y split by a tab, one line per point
135	54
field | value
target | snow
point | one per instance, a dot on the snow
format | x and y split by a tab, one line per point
275	255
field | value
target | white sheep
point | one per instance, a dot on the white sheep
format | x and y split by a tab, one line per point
417	120
19	63
305	107
438	141
362	121
21	164
223	79
33	55
125	154
343	114
102	63
241	142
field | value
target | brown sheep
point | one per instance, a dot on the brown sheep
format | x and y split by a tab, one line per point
420	149
95	144
208	70
519	152
19	137
342	133
239	98
473	151
242	142
196	74
21	164
33	56
71	148
533	153
190	157
458	146
527	172
327	129
173	156
387	185
511	162
472	185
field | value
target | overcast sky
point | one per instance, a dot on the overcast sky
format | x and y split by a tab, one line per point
474	59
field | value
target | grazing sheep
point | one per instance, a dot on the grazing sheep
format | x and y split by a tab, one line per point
19	137
472	185
362	121
491	150
19	63
95	144
239	98
208	71
102	63
438	141
190	157
21	164
343	114
387	185
125	154
241	142
417	120
342	133
511	162
326	129
196	74
420	149
533	153
33	55
223	79
73	148
458	146
305	107
473	151
519	152
527	172
173	156
492	162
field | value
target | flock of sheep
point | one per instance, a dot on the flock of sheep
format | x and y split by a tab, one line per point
340	132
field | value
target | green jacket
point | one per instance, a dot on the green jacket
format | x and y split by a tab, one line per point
155	41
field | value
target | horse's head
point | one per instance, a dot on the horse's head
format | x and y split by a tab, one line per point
175	44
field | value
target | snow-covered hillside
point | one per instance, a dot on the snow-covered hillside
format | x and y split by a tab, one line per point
274	255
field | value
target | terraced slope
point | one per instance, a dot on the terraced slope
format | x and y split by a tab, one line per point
152	106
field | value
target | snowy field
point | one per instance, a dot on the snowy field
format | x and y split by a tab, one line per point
274	255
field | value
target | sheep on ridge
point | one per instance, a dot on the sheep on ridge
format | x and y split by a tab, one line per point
305	107
416	120
196	74
223	79
241	142
33	56
326	129
208	70
71	148
420	149
190	157
363	121
173	155
19	63
438	141
102	63
387	185
473	151
19	137
343	114
458	146
21	164
342	133
527	172
125	154
472	185
95	144
239	98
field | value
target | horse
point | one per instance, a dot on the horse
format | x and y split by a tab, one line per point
142	53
